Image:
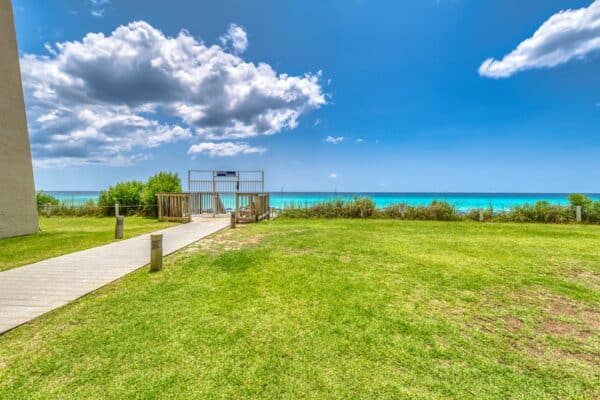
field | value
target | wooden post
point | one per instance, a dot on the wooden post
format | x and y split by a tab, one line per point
117	210
48	209
237	202
578	214
159	203
119	227
268	205
189	207
233	220
256	205
403	210
214	195
481	215
156	252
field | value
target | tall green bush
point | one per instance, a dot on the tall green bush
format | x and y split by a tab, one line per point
45	198
590	210
163	182
578	199
127	194
135	197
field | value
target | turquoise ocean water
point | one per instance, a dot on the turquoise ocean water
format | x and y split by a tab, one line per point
462	201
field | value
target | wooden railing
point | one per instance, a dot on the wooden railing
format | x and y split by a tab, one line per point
174	207
252	207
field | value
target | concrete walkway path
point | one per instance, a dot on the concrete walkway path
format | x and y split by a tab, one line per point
32	290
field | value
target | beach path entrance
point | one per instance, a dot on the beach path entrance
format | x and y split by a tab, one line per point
215	192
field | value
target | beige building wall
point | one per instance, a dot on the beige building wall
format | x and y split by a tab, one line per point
18	213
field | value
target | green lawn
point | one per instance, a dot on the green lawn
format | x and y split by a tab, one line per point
62	235
332	309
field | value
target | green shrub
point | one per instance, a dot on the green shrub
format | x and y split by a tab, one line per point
578	199
355	208
473	214
162	182
542	211
590	210
127	194
365	208
360	208
592	213
135	197
89	209
436	211
45	198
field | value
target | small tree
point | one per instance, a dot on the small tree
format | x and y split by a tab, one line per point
45	198
163	182
125	193
578	199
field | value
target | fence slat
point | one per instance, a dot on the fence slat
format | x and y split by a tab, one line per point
174	207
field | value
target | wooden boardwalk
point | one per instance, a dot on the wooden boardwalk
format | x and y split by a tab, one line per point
32	290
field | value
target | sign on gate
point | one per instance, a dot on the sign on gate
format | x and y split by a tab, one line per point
226	174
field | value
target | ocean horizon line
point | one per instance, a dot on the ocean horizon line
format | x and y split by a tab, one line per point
460	200
367	192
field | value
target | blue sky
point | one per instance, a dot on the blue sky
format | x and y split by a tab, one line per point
404	83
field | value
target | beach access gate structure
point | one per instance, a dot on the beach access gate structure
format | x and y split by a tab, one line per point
218	193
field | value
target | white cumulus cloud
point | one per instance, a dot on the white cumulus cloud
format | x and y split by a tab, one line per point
225	149
235	38
567	35
334	139
106	98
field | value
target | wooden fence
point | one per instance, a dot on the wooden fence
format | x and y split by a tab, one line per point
252	207
174	207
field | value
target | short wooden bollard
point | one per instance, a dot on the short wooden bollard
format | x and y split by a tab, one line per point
156	252
481	215
119	227
402	210
117	213
48	209
233	220
578	214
